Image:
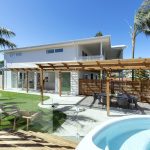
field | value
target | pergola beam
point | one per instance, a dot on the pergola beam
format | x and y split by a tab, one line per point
65	65
119	64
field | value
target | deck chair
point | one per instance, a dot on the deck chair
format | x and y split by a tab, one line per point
30	117
10	110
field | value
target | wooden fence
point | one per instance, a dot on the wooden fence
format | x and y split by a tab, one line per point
138	88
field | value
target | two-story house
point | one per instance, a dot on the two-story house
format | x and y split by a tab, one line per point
95	48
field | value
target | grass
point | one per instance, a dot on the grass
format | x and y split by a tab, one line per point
47	120
28	102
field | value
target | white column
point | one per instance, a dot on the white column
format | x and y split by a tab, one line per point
22	80
56	82
74	82
18	79
5	79
8	77
35	81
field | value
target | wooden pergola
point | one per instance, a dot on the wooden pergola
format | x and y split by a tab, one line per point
93	65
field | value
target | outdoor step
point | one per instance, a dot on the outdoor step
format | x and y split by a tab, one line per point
23	140
56	139
51	138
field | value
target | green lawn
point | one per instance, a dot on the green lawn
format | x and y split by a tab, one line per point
47	121
27	102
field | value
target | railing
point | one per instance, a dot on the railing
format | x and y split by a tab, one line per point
94	57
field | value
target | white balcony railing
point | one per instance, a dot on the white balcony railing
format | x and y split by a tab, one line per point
94	57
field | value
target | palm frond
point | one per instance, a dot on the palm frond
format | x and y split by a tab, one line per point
142	18
5	43
6	32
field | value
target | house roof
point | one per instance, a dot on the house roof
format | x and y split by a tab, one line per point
105	39
118	46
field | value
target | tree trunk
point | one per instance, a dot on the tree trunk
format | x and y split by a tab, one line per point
133	49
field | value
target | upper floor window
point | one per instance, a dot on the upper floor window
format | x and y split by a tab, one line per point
58	50
49	51
18	54
15	54
11	54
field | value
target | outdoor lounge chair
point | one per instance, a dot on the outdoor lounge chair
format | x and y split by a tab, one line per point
29	116
123	102
96	96
10	110
132	100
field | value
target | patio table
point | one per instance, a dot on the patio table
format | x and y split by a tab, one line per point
129	98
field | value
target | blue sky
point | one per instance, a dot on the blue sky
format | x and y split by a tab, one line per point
37	22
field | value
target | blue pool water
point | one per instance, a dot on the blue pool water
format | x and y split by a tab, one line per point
128	134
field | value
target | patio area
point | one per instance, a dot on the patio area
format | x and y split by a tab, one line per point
83	115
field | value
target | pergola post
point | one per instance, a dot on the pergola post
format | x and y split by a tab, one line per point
27	81
107	93
41	84
101	78
60	84
35	81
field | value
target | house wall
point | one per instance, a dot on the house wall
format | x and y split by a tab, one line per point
69	54
1	81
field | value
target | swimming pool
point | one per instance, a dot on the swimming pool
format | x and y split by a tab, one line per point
125	133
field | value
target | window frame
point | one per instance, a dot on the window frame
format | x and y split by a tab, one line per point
50	51
59	50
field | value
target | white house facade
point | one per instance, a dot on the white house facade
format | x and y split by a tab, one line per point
96	48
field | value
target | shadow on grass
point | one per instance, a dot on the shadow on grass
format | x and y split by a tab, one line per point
46	121
12	103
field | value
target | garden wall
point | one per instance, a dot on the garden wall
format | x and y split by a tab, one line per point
138	88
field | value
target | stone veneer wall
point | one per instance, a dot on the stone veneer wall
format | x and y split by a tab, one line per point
74	82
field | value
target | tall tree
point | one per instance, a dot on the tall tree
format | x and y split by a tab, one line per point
5	34
142	74
141	24
98	34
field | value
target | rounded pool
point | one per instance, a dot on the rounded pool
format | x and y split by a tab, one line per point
125	133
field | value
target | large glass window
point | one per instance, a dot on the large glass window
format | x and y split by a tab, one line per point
66	81
31	80
14	79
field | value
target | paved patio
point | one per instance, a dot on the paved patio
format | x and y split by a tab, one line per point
83	115
60	101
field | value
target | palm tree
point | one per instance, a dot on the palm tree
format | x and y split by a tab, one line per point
98	34
4	35
141	25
